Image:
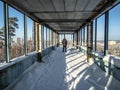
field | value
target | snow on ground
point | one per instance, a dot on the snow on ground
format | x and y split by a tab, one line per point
64	71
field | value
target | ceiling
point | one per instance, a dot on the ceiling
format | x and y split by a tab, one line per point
63	16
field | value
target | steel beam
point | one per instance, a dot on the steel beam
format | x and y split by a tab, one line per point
57	12
64	20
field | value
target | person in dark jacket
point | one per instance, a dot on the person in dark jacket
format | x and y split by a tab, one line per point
64	42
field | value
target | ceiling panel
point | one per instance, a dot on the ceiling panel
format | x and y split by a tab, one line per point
59	5
92	4
81	4
71	15
70	5
47	4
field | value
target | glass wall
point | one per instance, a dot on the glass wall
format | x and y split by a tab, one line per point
2	34
16	33
30	35
54	38
114	31
100	33
48	37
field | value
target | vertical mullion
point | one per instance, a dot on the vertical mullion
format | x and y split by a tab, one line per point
34	36
81	36
52	37
25	35
106	33
46	37
42	35
49	37
73	39
84	36
6	23
95	33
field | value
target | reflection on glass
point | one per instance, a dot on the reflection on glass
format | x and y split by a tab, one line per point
114	31
30	35
100	33
16	33
2	34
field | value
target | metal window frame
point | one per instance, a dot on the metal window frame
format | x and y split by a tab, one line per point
6	23
25	35
34	33
95	34
106	33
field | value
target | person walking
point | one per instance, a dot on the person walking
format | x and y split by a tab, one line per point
64	42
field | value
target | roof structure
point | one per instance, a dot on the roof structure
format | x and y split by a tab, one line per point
62	15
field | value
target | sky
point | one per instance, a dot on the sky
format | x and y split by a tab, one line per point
20	16
114	23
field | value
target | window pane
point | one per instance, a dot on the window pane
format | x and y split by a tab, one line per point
48	37
16	33
85	36
2	34
30	35
114	31
100	33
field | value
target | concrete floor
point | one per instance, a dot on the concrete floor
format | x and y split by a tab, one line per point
64	71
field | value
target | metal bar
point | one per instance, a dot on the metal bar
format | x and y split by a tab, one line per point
73	39
91	40
49	37
52	38
66	31
6	23
57	12
106	33
77	40
25	34
42	27
64	20
46	36
81	37
37	36
84	36
34	36
95	34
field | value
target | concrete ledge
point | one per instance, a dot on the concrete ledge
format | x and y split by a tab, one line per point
11	71
47	50
110	64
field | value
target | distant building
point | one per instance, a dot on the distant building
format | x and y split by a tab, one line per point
111	42
18	40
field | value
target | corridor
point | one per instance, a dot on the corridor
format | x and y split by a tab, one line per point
64	71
